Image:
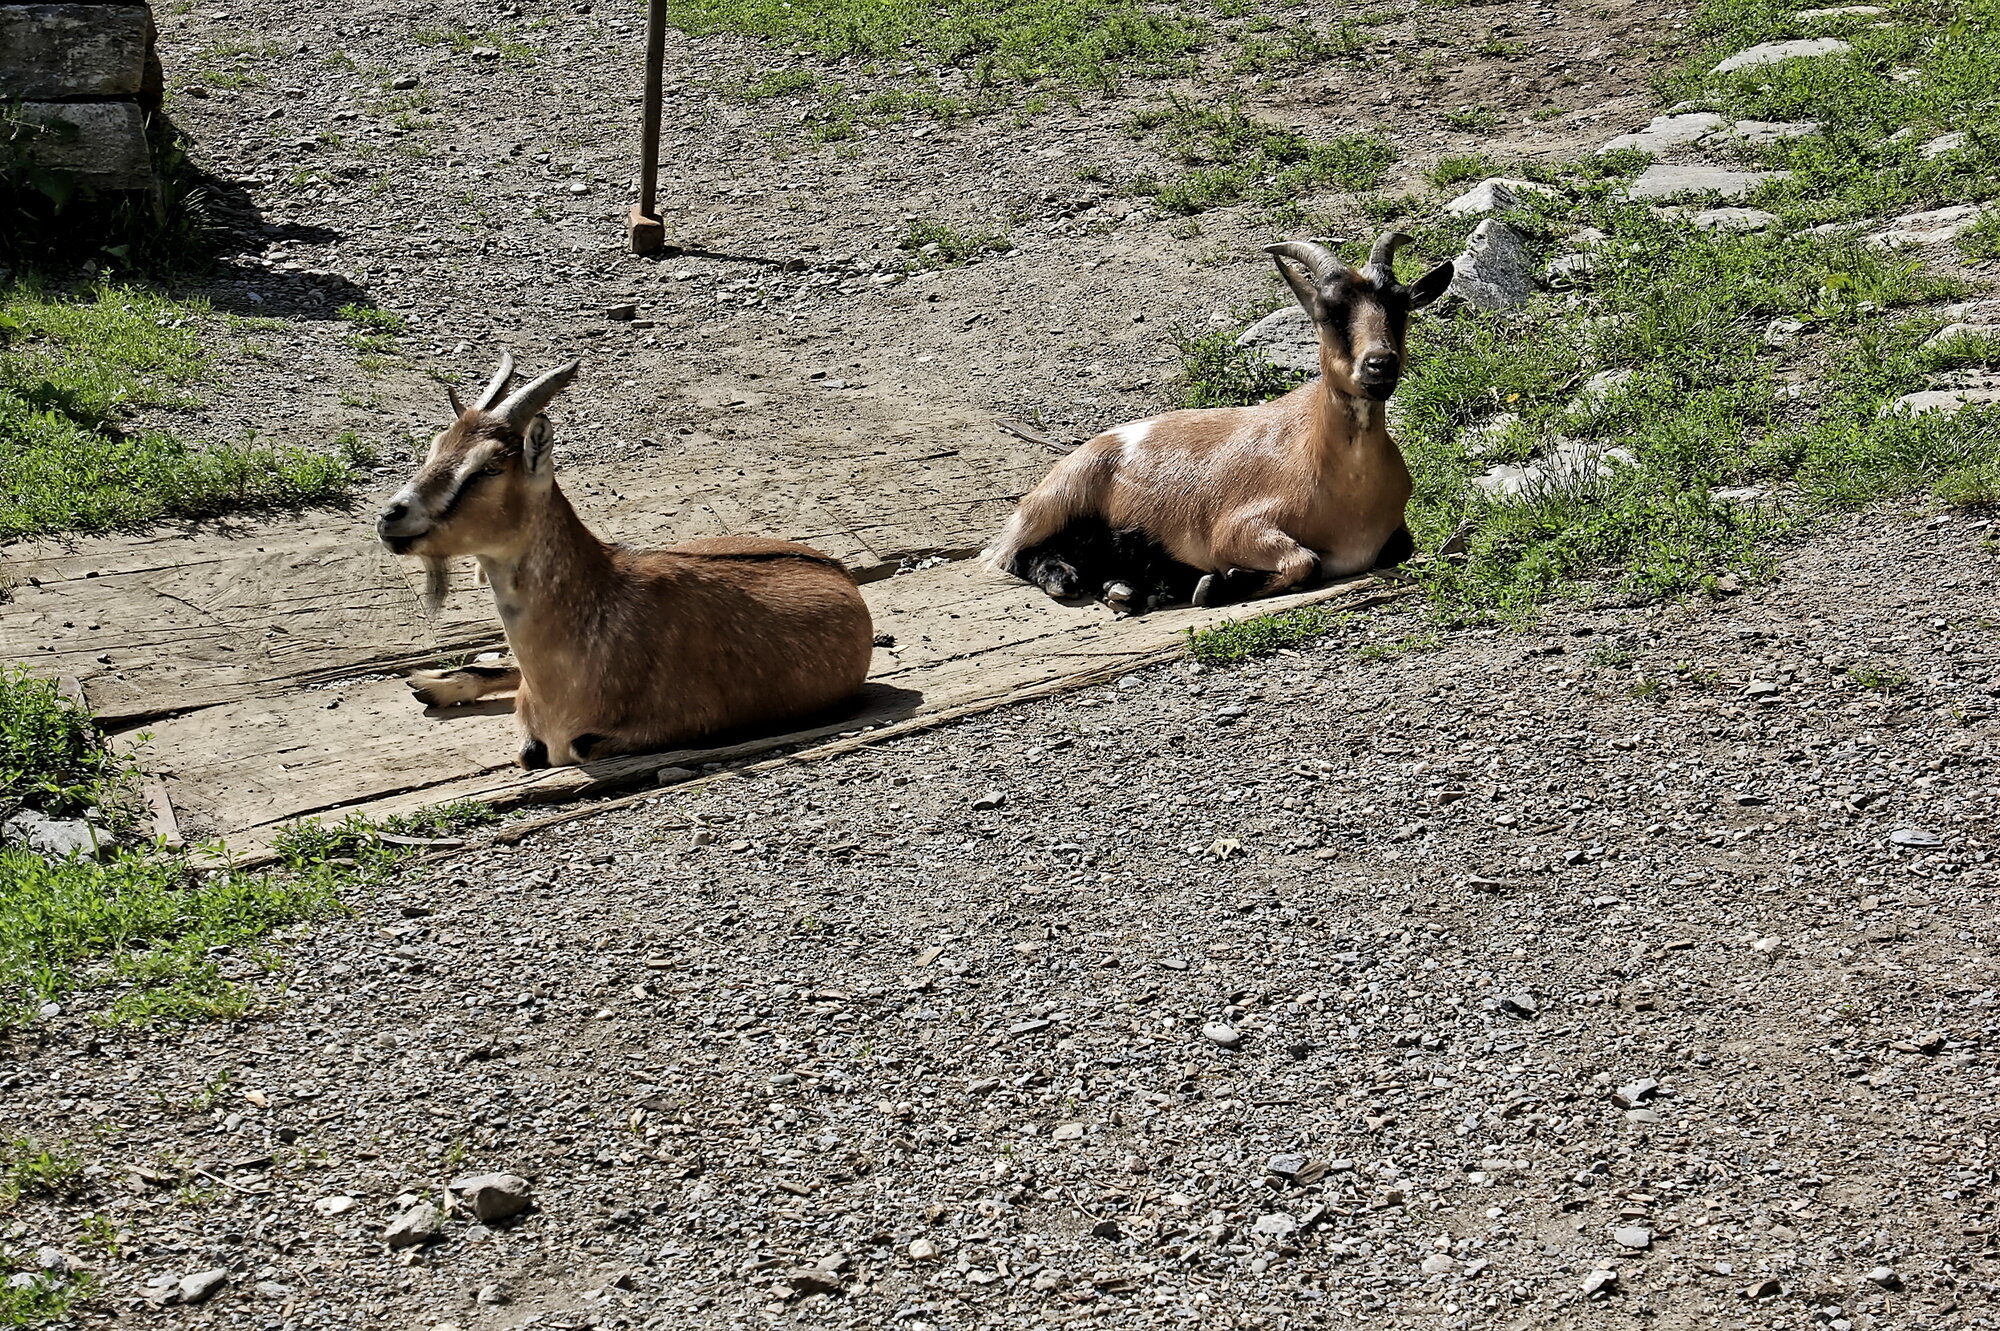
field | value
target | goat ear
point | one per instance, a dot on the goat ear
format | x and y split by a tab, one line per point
1432	285
1302	286
537	443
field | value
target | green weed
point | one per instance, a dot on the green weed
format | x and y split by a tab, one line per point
1227	644
73	368
31	1168
1215	372
935	244
1232	157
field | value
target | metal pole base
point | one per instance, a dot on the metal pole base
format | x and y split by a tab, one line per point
648	234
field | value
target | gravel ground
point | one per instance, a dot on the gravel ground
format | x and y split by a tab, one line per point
1639	970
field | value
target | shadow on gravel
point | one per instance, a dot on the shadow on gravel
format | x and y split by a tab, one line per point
237	281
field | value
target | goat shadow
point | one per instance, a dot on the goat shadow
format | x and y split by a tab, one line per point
876	704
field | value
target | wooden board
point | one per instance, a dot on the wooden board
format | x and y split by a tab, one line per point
966	640
102	144
55	52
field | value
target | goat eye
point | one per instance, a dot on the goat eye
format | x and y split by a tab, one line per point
491	469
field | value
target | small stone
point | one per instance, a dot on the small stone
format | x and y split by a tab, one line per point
1599	1282
1886	1276
1221	1033
1629	1095
673	776
332	1206
272	1290
1068	1132
57	838
484	53
623	314
1945	401
1764	1289
808	1280
1771	53
1942	144
1782	332
201	1286
414	1227
1520	1004
992	799
1633	1236
1960	331
1275	1225
404	82
922	1250
1285	1165
489	1197
493	1295
1495	196
1437	1264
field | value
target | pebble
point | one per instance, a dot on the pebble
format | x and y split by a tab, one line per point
405	82
1629	1095
992	799
489	1197
1437	1264
414	1227
201	1286
1633	1236
922	1250
1222	1033
332	1206
493	1295
1915	837
1600	1281
1885	1276
1285	1165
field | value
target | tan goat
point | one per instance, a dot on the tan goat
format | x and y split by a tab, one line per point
1265	497
619	651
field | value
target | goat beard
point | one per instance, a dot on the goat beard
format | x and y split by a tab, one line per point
437	584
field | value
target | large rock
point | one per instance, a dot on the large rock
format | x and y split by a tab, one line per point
1670	182
102	144
50	52
1667	132
1771	53
414	1227
1286	338
1932	228
1495	196
1569	465
1756	132
489	1197
1733	219
1947	401
57	838
1495	271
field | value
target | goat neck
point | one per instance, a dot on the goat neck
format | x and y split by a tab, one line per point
552	567
1341	425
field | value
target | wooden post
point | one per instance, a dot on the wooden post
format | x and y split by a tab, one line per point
643	226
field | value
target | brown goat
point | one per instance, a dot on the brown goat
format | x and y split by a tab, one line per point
619	651
1272	495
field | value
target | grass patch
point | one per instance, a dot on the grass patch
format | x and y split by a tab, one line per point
1081	43
149	935
1457	170
373	331
935	244
1227	644
1232	157
1215	372
29	1168
73	367
503	43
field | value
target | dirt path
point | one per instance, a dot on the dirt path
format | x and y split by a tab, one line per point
1657	942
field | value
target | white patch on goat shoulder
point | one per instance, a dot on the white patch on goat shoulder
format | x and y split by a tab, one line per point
1131	438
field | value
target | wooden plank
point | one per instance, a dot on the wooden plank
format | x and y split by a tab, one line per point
102	144
966	641
55	52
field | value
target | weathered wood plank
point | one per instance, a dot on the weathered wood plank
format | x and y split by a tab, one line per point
102	144
53	52
966	640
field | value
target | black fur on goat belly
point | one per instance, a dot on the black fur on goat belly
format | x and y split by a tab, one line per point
1090	560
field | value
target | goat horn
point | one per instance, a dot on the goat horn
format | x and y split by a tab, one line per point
531	397
1382	258
497	384
457	407
1318	259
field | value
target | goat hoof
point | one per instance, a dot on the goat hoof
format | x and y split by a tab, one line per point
534	756
1119	593
1203	590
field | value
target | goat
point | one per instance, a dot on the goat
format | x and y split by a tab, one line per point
1245	499
618	651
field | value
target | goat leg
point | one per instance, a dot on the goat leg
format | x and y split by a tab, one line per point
454	688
